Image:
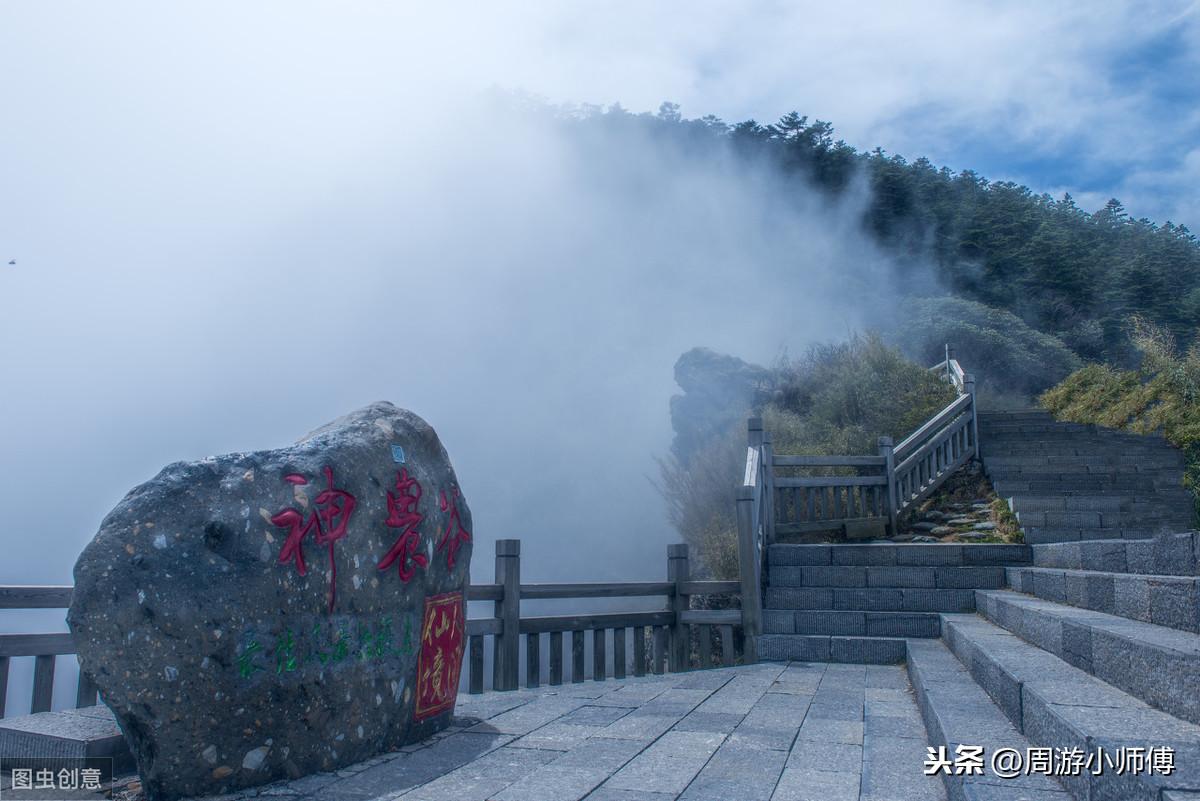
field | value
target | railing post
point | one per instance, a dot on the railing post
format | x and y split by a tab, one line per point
678	572
751	572
889	467
43	683
506	655
949	371
768	478
969	387
754	431
3	683
85	691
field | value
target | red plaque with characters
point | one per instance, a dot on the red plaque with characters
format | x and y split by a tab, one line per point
440	660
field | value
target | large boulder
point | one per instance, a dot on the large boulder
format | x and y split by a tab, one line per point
264	615
719	392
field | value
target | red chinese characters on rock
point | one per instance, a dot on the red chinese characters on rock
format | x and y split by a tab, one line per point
327	522
455	535
403	514
440	660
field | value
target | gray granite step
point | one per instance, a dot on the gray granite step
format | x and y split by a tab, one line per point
957	712
1104	504
1060	443
1007	486
871	599
1092	434
1094	442
1157	664
1028	428
1087	462
1040	535
1165	477
941	577
1135	504
852	622
1035	413
826	648
1056	705
884	554
1169	554
1172	601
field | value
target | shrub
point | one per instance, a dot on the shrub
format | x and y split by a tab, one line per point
836	399
701	495
840	398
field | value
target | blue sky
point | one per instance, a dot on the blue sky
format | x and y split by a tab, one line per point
1095	99
1099	100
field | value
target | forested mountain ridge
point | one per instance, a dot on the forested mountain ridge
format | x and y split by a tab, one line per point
1076	275
1048	302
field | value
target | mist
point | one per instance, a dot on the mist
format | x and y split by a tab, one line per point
525	285
223	244
233	223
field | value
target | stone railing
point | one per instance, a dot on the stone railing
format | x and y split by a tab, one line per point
861	496
672	638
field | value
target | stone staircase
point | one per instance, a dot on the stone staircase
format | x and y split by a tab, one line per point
858	603
1088	638
1068	481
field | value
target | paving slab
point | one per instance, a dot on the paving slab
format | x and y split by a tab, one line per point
767	732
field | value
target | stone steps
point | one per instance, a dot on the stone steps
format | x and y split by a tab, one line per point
830	602
870	599
825	648
1169	477
1059	471
1035	427
1167	555
1172	601
1015	414
1007	488
1059	431
1156	664
1089	519
1056	705
1052	437
1038	484
943	577
1075	450
1047	536
847	622
997	443
957	711
1104	504
1121	457
1102	654
884	554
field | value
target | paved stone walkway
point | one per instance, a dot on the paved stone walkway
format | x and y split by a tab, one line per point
786	732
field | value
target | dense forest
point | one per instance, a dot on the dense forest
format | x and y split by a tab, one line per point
1068	273
1093	315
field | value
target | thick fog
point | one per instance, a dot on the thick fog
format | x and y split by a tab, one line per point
524	289
233	222
204	273
228	279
